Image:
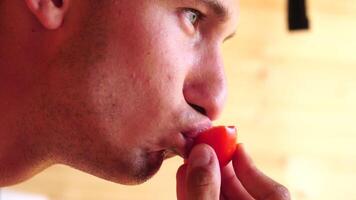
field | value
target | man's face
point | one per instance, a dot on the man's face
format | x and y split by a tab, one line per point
133	82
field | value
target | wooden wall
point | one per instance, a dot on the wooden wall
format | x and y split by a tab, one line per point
293	96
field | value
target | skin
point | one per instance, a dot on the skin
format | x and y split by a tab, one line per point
201	178
107	87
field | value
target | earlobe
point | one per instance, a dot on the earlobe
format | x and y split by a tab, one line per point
49	13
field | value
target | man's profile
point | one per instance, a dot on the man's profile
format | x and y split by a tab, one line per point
114	87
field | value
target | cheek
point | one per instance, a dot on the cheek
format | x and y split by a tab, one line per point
141	78
152	53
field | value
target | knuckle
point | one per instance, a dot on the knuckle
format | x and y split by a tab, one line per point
201	177
279	192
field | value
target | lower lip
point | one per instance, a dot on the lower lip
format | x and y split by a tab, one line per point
188	146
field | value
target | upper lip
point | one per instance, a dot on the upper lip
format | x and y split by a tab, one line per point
195	129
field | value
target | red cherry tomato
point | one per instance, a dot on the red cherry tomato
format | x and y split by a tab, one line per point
222	139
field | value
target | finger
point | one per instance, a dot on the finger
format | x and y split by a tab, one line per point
231	187
181	176
203	174
256	183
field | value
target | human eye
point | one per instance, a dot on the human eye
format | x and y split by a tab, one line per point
193	16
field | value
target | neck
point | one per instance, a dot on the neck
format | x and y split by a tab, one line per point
18	161
24	147
21	150
20	156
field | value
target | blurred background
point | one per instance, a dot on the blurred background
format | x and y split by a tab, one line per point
293	96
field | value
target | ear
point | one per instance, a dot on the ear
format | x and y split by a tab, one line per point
50	13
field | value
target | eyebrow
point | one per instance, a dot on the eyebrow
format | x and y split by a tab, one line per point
219	9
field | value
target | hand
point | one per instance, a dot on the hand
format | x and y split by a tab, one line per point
201	178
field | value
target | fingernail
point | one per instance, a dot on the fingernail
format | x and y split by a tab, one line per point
200	156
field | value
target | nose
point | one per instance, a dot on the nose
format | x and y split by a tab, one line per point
205	85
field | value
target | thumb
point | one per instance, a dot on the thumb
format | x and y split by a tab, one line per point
203	174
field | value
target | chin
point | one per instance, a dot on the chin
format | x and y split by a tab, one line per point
133	171
148	167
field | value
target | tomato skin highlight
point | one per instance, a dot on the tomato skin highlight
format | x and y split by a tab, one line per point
222	139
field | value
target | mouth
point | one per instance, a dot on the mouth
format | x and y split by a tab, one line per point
194	130
178	143
183	143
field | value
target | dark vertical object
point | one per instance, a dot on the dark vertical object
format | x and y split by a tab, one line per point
297	16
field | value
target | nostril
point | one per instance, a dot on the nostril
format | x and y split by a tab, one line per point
199	109
58	3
